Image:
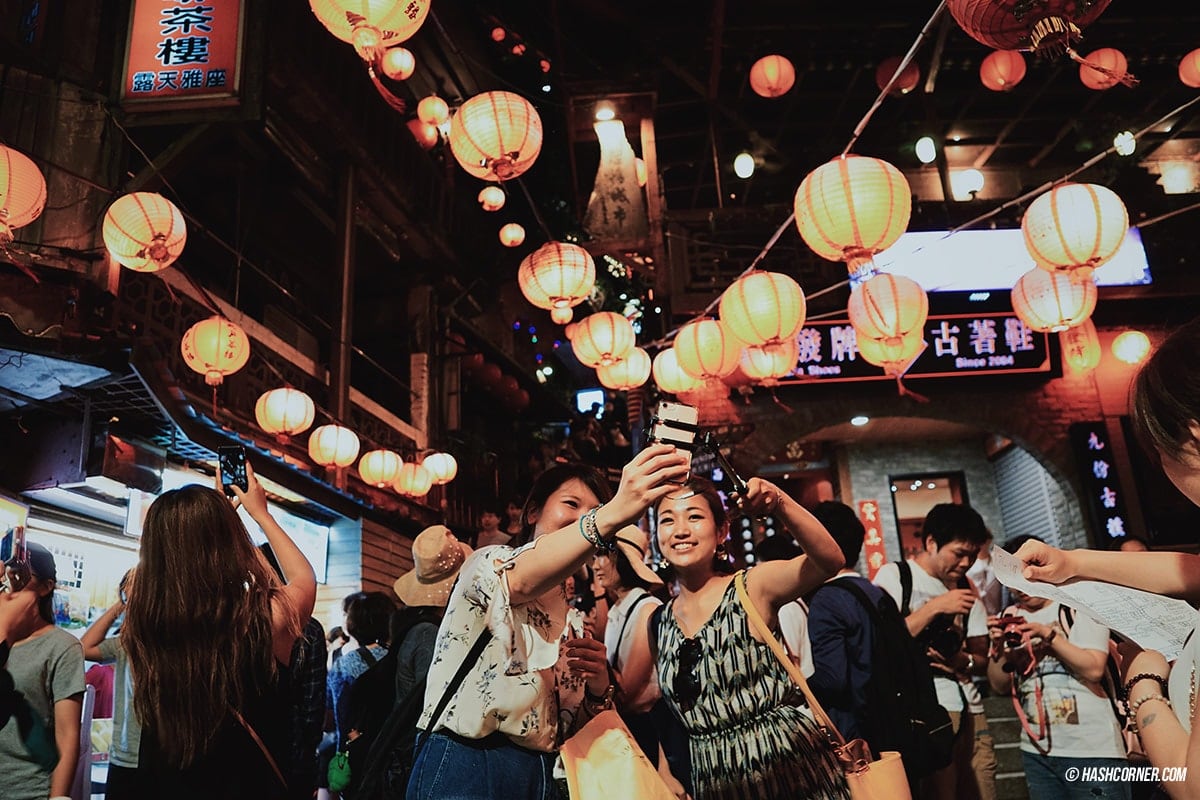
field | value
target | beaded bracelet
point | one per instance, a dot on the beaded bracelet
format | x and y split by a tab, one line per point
1134	706
591	532
1143	676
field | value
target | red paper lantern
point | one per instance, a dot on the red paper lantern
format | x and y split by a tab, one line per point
1002	70
1048	26
905	82
489	375
772	76
491	198
433	110
22	192
426	135
1189	69
512	234
1112	68
398	63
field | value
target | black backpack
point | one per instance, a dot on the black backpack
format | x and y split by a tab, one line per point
903	713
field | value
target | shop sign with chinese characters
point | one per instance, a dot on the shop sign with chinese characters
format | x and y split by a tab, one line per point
873	549
1102	490
183	54
980	344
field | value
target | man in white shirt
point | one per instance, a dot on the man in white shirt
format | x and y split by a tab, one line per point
945	614
983	576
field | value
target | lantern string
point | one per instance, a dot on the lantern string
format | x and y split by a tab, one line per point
536	214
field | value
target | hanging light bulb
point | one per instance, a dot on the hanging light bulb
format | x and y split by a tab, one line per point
926	150
743	165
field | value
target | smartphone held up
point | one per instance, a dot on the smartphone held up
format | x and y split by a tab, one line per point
676	424
232	460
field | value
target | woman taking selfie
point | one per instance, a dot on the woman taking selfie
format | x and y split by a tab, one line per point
1166	416
531	677
749	735
208	627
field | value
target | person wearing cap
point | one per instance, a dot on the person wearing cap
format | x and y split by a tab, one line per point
46	665
531	677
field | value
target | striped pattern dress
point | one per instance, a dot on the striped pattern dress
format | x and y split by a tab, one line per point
750	739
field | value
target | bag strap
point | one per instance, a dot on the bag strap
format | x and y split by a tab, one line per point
368	656
261	746
906	587
628	616
850	586
760	627
463	668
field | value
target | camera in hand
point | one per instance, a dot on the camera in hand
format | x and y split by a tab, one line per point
943	635
1011	635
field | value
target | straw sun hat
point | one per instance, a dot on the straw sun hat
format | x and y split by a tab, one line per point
437	558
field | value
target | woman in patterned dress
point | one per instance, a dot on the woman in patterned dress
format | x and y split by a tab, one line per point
539	677
750	738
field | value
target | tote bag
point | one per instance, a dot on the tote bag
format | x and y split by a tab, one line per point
603	762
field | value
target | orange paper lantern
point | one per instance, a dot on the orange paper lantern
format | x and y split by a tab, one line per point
772	76
706	349
1053	301
426	135
379	467
492	198
333	446
1002	70
1189	69
433	110
629	373
1081	346
763	308
852	207
144	231
1075	227
557	275
215	347
669	376
887	307
893	358
767	363
284	412
512	234
442	467
370	24
496	135
1113	67
1131	347
398	63
1045	27
603	338
414	480
22	192
905	82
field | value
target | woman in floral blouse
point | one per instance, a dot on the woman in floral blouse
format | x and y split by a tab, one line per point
538	677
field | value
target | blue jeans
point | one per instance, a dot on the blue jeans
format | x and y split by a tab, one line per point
1047	779
448	767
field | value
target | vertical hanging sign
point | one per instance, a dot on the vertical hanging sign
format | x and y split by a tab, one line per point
183	53
1103	495
868	512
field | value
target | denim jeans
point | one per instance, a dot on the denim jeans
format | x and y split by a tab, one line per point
448	767
1047	779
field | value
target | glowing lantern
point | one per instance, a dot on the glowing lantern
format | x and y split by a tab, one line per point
561	316
379	467
639	171
557	276
1002	70
442	467
852	207
763	308
426	135
629	373
496	135
569	330
284	412
886	307
1189	69
215	347
433	110
22	192
893	358
906	81
144	231
414	480
669	376
492	198
772	76
333	446
603	338
398	63
1131	347
1053	301
1104	68
1075	227
1081	346
370	24
1048	27
512	235
766	364
706	349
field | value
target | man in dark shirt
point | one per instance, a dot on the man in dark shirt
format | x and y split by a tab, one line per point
307	675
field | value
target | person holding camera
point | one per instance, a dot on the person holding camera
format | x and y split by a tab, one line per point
1054	675
944	612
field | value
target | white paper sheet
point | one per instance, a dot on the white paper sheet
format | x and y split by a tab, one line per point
1153	621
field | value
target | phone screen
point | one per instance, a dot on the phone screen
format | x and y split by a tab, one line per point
233	467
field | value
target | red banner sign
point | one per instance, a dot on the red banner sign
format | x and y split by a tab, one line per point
183	52
868	512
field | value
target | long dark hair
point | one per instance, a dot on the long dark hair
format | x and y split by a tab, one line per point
1165	398
198	626
545	485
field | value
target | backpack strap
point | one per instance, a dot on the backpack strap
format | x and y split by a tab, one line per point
621	636
476	650
860	596
906	587
368	656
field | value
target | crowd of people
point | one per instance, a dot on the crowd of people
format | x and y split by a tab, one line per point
467	682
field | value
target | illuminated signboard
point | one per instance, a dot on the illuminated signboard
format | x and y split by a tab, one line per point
958	344
868	512
183	53
1102	490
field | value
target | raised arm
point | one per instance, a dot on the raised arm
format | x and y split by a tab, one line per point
98	632
554	556
1171	574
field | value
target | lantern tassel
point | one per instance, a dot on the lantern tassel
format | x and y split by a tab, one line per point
397	103
1127	79
214	402
906	392
12	256
780	403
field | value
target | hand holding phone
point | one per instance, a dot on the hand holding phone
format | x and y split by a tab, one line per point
676	424
231	461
